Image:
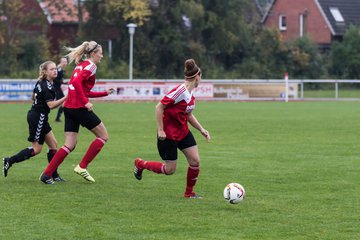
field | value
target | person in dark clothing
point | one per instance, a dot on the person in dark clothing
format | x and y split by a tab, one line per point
57	85
39	128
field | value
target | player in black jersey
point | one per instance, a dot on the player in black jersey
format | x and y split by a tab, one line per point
44	100
58	81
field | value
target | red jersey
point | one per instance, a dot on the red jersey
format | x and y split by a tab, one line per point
80	85
179	102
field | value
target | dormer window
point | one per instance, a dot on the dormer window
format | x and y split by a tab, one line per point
336	14
282	23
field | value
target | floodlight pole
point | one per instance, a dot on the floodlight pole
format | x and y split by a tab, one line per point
131	27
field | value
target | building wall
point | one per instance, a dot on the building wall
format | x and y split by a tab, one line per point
315	25
61	35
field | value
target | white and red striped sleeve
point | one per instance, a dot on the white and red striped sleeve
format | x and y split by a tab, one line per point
174	96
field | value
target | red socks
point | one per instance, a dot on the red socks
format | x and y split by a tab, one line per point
60	155
91	153
156	167
191	178
57	160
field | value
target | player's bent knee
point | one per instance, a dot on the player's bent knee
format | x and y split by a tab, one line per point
106	137
68	148
194	166
170	171
37	151
194	163
102	139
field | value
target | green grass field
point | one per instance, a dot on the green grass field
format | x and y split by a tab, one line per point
298	161
330	93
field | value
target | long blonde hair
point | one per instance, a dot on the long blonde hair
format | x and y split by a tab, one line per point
42	70
77	53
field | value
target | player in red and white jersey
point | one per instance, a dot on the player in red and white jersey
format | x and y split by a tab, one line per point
173	113
78	110
80	85
179	102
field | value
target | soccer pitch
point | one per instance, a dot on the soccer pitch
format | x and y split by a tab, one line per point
298	161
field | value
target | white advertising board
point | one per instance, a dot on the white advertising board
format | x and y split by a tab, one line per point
148	91
22	90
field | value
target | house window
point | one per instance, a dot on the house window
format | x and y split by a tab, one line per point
336	14
282	23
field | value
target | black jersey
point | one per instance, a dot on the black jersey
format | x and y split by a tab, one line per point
60	77
43	92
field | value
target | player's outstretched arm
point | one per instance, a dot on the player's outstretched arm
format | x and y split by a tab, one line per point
56	103
196	124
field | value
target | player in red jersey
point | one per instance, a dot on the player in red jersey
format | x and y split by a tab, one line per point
173	113
78	110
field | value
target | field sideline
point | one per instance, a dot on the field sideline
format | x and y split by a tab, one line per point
298	161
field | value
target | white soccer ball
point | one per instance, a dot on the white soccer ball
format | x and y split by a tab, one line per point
234	193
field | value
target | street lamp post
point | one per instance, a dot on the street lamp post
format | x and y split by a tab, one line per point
131	27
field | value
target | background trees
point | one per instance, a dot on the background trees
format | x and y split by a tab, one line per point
19	46
345	56
225	37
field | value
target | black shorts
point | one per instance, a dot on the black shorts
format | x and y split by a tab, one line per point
74	117
168	148
38	126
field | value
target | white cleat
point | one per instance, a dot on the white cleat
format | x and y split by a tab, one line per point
84	173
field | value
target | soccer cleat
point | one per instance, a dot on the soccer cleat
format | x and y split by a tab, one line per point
137	169
45	179
57	178
6	166
192	195
84	173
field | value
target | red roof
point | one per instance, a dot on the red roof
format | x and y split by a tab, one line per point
62	11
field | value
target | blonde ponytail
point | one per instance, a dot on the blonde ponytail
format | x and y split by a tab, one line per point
76	54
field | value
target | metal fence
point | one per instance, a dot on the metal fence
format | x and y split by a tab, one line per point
302	89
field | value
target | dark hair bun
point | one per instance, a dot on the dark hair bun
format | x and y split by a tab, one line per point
190	68
190	64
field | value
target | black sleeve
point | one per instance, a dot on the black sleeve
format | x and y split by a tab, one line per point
49	93
60	76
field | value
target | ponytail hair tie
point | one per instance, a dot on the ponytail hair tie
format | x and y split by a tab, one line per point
91	50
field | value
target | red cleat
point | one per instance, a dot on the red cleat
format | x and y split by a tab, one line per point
137	169
192	195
